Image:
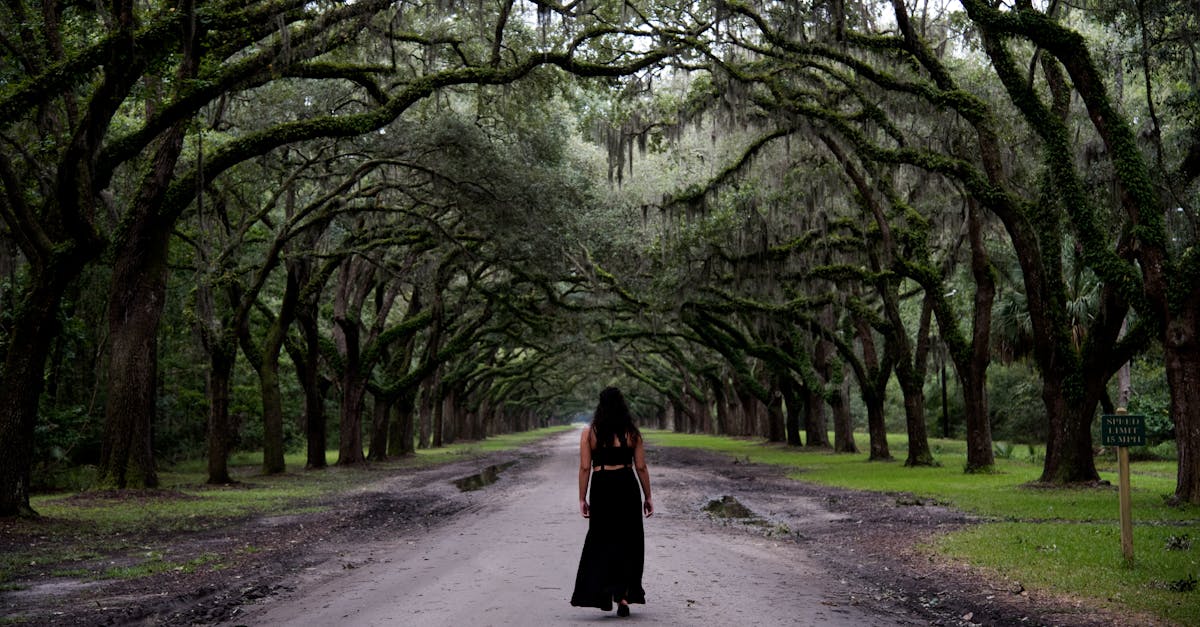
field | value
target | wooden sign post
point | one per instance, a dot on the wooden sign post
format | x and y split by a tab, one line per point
1124	430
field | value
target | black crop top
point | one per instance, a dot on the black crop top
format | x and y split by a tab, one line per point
612	456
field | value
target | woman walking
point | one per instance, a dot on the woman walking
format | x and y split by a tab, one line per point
612	459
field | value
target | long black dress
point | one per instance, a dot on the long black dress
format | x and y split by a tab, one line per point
610	568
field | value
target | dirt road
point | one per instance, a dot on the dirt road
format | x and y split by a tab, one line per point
411	548
510	559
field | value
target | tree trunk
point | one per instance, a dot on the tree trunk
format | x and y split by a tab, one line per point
268	377
437	427
314	428
1182	360
273	454
307	362
843	421
452	417
482	420
485	426
722	404
972	371
400	435
355	284
775	425
945	399
749	412
33	328
701	408
876	427
815	424
697	413
306	356
377	451
918	436
822	361
734	412
791	400
273	417
426	413
220	428
491	421
136	297
910	373
980	455
350	446
872	383
1069	456
137	294
679	417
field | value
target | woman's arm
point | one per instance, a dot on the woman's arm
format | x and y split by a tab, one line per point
585	469
643	473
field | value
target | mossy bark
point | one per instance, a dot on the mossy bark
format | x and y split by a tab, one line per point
1069	457
136	300
971	360
885	258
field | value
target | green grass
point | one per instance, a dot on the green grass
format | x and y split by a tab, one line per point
155	564
1085	560
1063	540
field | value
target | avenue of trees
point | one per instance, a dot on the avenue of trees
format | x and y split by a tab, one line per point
376	226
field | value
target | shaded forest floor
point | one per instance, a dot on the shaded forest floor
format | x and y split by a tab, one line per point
872	543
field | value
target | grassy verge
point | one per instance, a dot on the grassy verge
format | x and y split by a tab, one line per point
1065	541
78	530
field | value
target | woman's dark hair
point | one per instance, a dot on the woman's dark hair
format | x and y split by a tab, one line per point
612	418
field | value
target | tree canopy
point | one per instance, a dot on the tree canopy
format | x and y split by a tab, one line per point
383	225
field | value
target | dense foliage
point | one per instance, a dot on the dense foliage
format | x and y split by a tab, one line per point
380	225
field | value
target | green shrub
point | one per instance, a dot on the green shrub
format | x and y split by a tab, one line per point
66	445
1164	451
181	427
1151	398
954	403
1015	403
